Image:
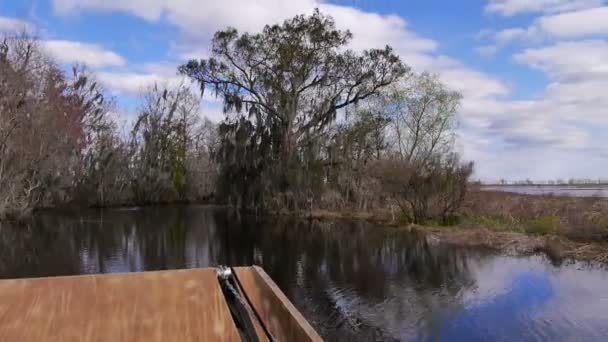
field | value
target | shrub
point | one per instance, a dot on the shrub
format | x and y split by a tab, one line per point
430	191
543	225
492	223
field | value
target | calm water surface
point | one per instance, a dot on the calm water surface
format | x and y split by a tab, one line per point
558	190
350	280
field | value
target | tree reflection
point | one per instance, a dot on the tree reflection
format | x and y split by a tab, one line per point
351	280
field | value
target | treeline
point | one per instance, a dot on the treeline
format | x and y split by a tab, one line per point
60	146
308	124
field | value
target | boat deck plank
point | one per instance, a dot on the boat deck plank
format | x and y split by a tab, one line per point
277	313
182	305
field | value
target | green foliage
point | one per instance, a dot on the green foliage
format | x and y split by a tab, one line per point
405	218
493	223
282	88
543	225
451	220
160	141
490	223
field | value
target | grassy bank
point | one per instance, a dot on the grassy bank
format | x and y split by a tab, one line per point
561	227
556	247
574	218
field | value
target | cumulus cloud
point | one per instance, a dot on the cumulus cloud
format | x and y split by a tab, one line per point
78	52
591	22
193	16
586	22
570	60
372	30
198	24
471	83
560	133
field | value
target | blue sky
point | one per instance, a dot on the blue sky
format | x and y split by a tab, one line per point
533	73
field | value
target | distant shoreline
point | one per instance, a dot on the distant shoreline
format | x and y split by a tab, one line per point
586	186
573	190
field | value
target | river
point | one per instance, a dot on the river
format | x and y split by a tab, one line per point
351	280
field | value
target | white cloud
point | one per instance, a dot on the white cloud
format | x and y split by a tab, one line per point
487	50
512	7
508	35
473	84
186	52
586	22
132	83
560	133
164	69
147	9
9	25
198	22
572	60
196	17
78	52
499	39
372	30
580	23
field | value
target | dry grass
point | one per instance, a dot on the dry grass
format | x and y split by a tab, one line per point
561	227
579	219
556	247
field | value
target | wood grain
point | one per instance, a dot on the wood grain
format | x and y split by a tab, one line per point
184	305
277	313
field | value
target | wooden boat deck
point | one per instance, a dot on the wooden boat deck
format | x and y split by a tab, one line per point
177	305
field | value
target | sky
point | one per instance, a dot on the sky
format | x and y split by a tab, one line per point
533	73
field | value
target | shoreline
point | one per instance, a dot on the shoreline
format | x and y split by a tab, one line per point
467	234
556	248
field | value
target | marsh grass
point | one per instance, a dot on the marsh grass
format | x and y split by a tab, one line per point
579	219
543	225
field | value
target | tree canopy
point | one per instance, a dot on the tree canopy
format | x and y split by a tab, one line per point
293	76
290	80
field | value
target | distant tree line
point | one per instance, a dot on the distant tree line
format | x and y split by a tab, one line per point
308	124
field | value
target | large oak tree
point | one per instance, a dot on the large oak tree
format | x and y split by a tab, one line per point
290	79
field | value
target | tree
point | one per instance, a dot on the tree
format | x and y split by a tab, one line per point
434	191
357	140
201	170
424	175
160	140
288	82
422	112
48	121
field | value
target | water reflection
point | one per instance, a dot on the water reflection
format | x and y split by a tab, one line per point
352	281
